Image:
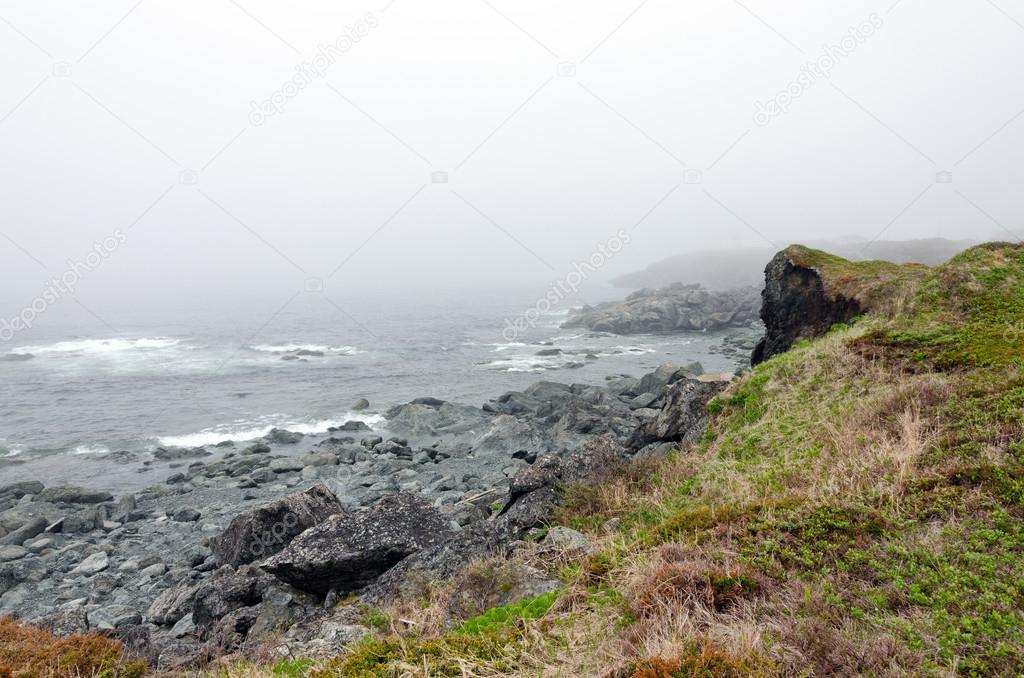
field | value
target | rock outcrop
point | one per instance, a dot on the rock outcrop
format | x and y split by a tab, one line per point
797	303
676	308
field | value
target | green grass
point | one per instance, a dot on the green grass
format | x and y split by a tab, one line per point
292	668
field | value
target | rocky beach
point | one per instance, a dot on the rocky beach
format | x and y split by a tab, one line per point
242	540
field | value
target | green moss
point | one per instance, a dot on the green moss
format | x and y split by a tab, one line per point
498	617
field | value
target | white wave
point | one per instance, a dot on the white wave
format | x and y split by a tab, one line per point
97	346
12	452
499	348
292	348
90	449
630	350
531	364
243	431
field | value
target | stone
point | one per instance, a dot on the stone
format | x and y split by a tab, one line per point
263	531
350	550
286	464
566	539
72	494
173	604
31	529
186	515
12	552
93	564
281	436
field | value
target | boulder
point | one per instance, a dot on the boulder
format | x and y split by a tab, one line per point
173	604
281	436
94	564
265	530
72	494
31	529
350	550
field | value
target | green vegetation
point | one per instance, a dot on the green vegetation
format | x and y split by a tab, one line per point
498	617
292	668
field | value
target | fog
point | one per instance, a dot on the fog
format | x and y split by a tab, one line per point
486	144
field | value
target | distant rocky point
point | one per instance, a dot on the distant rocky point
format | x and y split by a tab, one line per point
676	308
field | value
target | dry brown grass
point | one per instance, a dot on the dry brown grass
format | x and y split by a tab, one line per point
27	652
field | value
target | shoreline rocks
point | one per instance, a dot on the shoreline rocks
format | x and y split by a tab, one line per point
246	541
676	308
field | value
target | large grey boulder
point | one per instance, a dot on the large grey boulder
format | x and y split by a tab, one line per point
265	530
350	550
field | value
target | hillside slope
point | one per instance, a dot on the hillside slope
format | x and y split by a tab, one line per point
854	509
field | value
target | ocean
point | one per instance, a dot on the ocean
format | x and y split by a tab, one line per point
204	378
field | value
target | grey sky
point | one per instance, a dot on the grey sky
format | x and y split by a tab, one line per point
557	124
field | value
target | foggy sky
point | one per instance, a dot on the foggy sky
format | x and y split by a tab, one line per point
558	125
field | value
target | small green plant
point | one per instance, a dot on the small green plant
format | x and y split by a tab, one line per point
292	668
498	617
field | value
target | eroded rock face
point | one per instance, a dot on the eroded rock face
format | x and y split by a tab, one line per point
264	531
683	418
350	550
796	305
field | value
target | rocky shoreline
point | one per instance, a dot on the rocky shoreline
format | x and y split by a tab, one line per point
676	308
241	541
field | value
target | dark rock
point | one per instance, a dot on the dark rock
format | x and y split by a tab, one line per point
178	453
282	437
264	531
361	405
797	305
186	515
350	550
683	417
226	592
354	426
429	402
